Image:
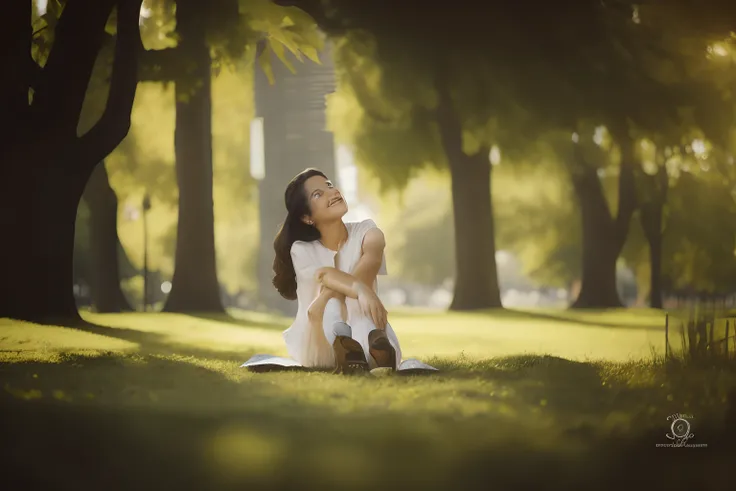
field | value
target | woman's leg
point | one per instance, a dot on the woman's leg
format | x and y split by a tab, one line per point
349	354
333	320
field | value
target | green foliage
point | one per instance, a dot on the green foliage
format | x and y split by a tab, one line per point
537	219
43	29
386	114
419	225
278	30
145	159
145	162
158	29
700	240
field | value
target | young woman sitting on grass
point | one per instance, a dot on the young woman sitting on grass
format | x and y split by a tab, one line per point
330	267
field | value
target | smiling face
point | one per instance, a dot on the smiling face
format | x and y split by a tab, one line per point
326	204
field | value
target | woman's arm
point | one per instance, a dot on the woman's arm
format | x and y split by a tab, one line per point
339	281
365	272
359	284
371	260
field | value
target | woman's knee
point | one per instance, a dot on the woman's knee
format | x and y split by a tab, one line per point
314	314
334	311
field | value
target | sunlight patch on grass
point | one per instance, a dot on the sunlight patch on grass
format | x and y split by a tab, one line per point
611	335
24	336
618	336
182	331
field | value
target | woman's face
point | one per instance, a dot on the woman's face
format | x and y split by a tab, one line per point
326	204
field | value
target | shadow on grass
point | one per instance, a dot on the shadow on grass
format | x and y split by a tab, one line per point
562	316
569	317
158	344
244	321
146	422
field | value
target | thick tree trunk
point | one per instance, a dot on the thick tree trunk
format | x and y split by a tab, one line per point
45	166
600	244
476	282
194	286
37	278
477	277
104	271
651	217
600	253
603	234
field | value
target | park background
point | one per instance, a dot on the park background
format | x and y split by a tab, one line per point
560	221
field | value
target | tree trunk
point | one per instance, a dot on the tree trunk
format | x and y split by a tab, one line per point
194	285
600	251
477	277
476	282
651	222
603	235
45	165
104	273
651	218
37	279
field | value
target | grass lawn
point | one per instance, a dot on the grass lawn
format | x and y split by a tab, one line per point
158	401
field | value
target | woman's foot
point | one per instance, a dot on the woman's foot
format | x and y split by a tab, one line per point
381	349
349	356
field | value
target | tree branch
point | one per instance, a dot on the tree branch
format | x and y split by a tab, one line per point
78	38
627	200
160	65
589	190
114	124
448	124
156	65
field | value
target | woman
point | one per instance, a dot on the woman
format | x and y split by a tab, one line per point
330	267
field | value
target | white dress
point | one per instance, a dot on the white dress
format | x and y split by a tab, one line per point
307	343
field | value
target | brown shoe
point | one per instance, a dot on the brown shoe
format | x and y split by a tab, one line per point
381	349
349	356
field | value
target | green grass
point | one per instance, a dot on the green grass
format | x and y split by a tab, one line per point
158	401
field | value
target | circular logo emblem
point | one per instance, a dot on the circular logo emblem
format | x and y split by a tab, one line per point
680	428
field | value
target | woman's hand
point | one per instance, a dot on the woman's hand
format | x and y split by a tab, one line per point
371	306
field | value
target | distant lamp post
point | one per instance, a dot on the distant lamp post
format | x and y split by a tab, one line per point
145	206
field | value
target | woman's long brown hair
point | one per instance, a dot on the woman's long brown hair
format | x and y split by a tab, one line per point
293	229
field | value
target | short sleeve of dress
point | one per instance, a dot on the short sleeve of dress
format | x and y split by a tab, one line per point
304	266
365	226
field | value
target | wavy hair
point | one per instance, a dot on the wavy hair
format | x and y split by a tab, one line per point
293	229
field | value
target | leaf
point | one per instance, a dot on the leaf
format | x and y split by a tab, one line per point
54	8
50	19
311	53
278	48
264	60
283	38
